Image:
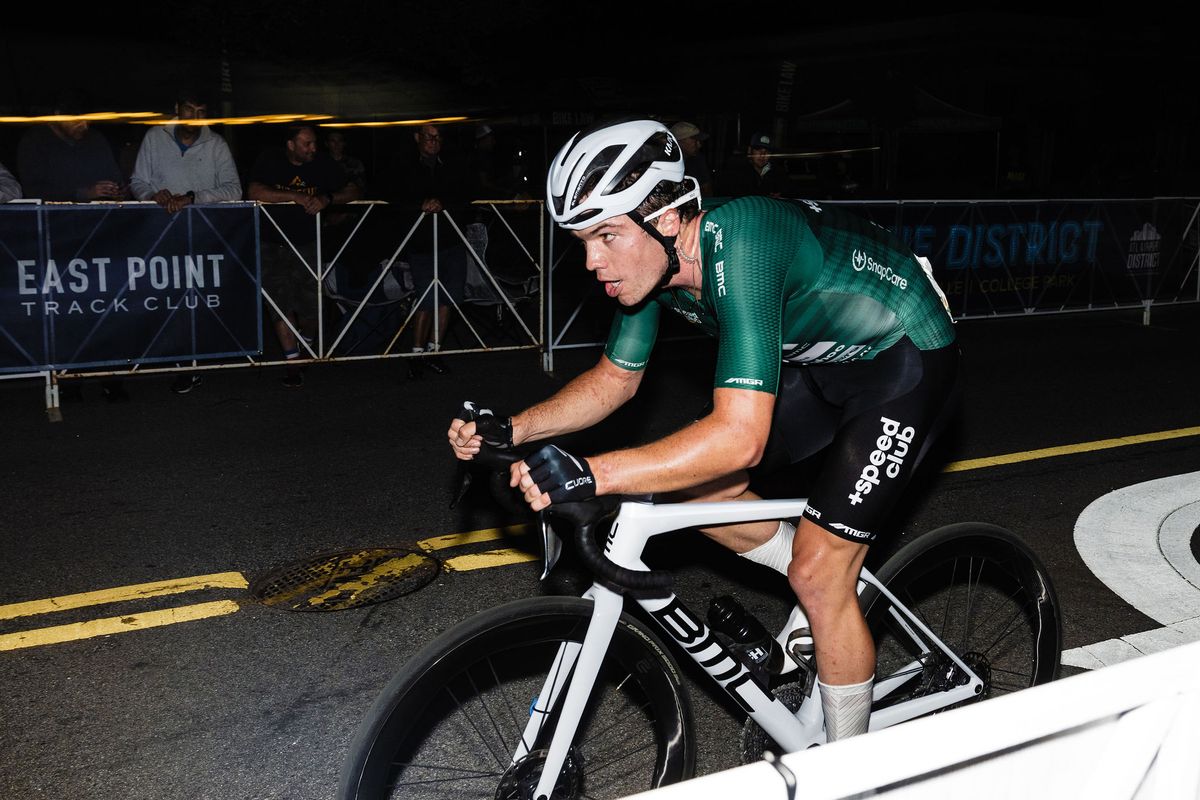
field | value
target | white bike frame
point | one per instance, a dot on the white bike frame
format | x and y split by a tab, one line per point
633	528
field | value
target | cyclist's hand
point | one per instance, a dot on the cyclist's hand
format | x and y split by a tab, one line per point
474	427
552	475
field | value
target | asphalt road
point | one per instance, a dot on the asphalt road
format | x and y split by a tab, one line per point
243	476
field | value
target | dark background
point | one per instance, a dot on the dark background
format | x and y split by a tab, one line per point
1072	104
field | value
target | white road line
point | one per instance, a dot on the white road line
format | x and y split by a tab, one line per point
1137	541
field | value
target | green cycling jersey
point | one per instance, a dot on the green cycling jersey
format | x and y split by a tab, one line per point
795	282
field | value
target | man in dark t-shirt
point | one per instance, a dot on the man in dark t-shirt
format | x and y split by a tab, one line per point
312	182
427	183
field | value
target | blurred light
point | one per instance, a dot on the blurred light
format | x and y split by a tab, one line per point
270	119
394	122
95	116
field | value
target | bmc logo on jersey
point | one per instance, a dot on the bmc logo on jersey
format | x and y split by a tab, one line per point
745	381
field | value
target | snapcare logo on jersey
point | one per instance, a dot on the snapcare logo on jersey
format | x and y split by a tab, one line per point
885	461
744	381
860	261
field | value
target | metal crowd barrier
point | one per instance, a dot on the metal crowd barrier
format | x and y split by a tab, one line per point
365	301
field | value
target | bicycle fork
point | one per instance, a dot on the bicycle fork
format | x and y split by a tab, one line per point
580	664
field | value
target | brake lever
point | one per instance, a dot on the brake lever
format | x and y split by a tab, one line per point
551	545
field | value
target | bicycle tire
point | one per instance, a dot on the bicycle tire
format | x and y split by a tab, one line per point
985	594
448	722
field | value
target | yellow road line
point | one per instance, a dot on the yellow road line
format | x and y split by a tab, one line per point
492	558
119	594
472	537
110	625
1070	449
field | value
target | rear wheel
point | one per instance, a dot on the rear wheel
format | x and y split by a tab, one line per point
985	594
449	722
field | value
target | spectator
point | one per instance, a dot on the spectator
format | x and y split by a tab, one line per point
695	165
295	173
67	161
755	174
356	171
494	179
426	183
9	188
179	165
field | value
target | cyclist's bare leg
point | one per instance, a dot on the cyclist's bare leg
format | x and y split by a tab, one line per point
824	576
740	537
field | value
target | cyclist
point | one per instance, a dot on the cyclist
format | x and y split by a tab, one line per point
831	334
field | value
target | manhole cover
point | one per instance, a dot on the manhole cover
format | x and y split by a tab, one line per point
337	581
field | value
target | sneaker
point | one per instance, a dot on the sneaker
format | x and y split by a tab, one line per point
114	392
294	379
436	365
185	383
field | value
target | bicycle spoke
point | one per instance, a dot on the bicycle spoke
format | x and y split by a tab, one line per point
461	773
486	708
605	765
482	739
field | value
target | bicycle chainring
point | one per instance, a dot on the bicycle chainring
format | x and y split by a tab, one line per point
520	780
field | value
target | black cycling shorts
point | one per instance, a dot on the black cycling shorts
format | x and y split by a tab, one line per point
877	418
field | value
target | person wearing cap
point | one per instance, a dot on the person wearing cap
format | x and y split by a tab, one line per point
758	173
691	140
491	179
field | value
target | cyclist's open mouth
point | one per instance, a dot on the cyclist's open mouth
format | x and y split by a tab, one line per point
613	288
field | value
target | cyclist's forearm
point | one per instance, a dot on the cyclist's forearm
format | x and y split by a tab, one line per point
732	438
586	400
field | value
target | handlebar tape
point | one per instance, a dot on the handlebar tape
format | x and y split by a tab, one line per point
586	516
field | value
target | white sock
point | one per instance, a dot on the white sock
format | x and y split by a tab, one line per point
847	708
775	552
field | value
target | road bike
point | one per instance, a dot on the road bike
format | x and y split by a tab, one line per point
575	697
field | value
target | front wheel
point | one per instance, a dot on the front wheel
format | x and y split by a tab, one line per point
449	723
984	593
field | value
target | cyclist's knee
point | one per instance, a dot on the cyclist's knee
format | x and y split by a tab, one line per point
824	569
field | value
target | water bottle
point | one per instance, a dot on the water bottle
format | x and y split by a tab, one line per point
750	640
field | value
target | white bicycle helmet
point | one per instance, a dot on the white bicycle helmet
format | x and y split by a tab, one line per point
614	151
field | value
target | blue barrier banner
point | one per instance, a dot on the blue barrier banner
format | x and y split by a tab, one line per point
118	285
1000	257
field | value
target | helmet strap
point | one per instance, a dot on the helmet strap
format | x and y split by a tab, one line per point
668	243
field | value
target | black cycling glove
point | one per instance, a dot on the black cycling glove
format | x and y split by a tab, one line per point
561	475
495	431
